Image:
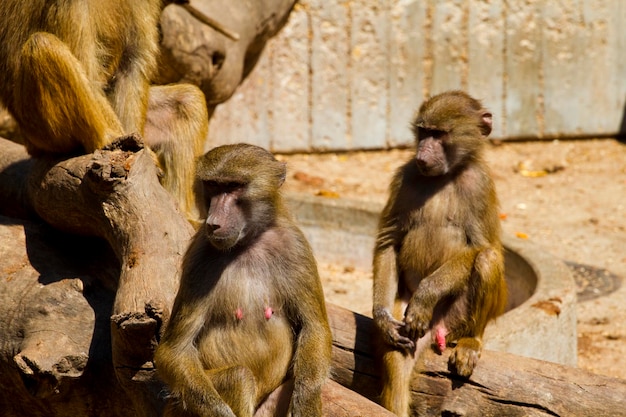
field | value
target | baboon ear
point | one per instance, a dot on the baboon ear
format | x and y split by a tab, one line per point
485	126
283	174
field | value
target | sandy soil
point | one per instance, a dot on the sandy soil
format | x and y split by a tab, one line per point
567	197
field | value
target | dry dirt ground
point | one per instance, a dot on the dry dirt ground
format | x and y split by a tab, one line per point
567	197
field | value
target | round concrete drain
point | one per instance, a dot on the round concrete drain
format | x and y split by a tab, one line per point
343	232
593	282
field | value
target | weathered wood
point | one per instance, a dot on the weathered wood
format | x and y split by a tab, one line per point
115	194
501	385
338	401
56	295
193	52
64	355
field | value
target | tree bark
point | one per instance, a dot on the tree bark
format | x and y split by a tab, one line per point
115	194
58	325
63	351
501	385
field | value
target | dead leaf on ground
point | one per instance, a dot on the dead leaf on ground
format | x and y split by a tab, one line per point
611	336
598	321
551	306
307	179
526	169
327	194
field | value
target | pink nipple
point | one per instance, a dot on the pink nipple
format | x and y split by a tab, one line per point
239	314
268	313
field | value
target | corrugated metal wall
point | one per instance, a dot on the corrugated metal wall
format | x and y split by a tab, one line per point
349	74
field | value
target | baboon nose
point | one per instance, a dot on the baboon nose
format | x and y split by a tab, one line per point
421	163
213	227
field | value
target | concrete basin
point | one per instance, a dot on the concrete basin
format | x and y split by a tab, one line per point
540	321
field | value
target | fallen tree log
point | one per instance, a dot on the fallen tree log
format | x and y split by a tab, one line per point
65	354
62	355
501	385
115	194
55	353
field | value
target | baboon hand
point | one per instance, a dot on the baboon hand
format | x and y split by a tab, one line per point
465	356
220	410
391	328
417	319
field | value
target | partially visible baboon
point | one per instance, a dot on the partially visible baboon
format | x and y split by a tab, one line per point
438	262
176	128
75	75
250	312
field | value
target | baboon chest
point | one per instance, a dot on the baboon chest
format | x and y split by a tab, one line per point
248	325
434	231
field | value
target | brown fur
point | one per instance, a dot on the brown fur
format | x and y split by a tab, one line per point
176	128
438	263
222	354
75	75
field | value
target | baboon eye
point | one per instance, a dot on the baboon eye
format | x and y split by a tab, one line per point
431	133
210	187
214	187
439	134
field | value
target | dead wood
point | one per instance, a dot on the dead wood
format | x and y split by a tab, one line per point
114	194
339	401
64	352
55	313
501	385
83	315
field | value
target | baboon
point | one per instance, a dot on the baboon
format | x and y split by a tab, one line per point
438	262
75	76
249	313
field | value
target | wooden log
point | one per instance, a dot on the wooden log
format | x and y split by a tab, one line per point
501	385
338	401
55	359
115	194
55	354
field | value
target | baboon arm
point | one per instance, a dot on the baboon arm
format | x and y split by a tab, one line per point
386	278
131	81
449	279
57	107
130	100
312	356
311	363
178	362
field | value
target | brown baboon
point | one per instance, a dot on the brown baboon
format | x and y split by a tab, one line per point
75	76
249	313
438	263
